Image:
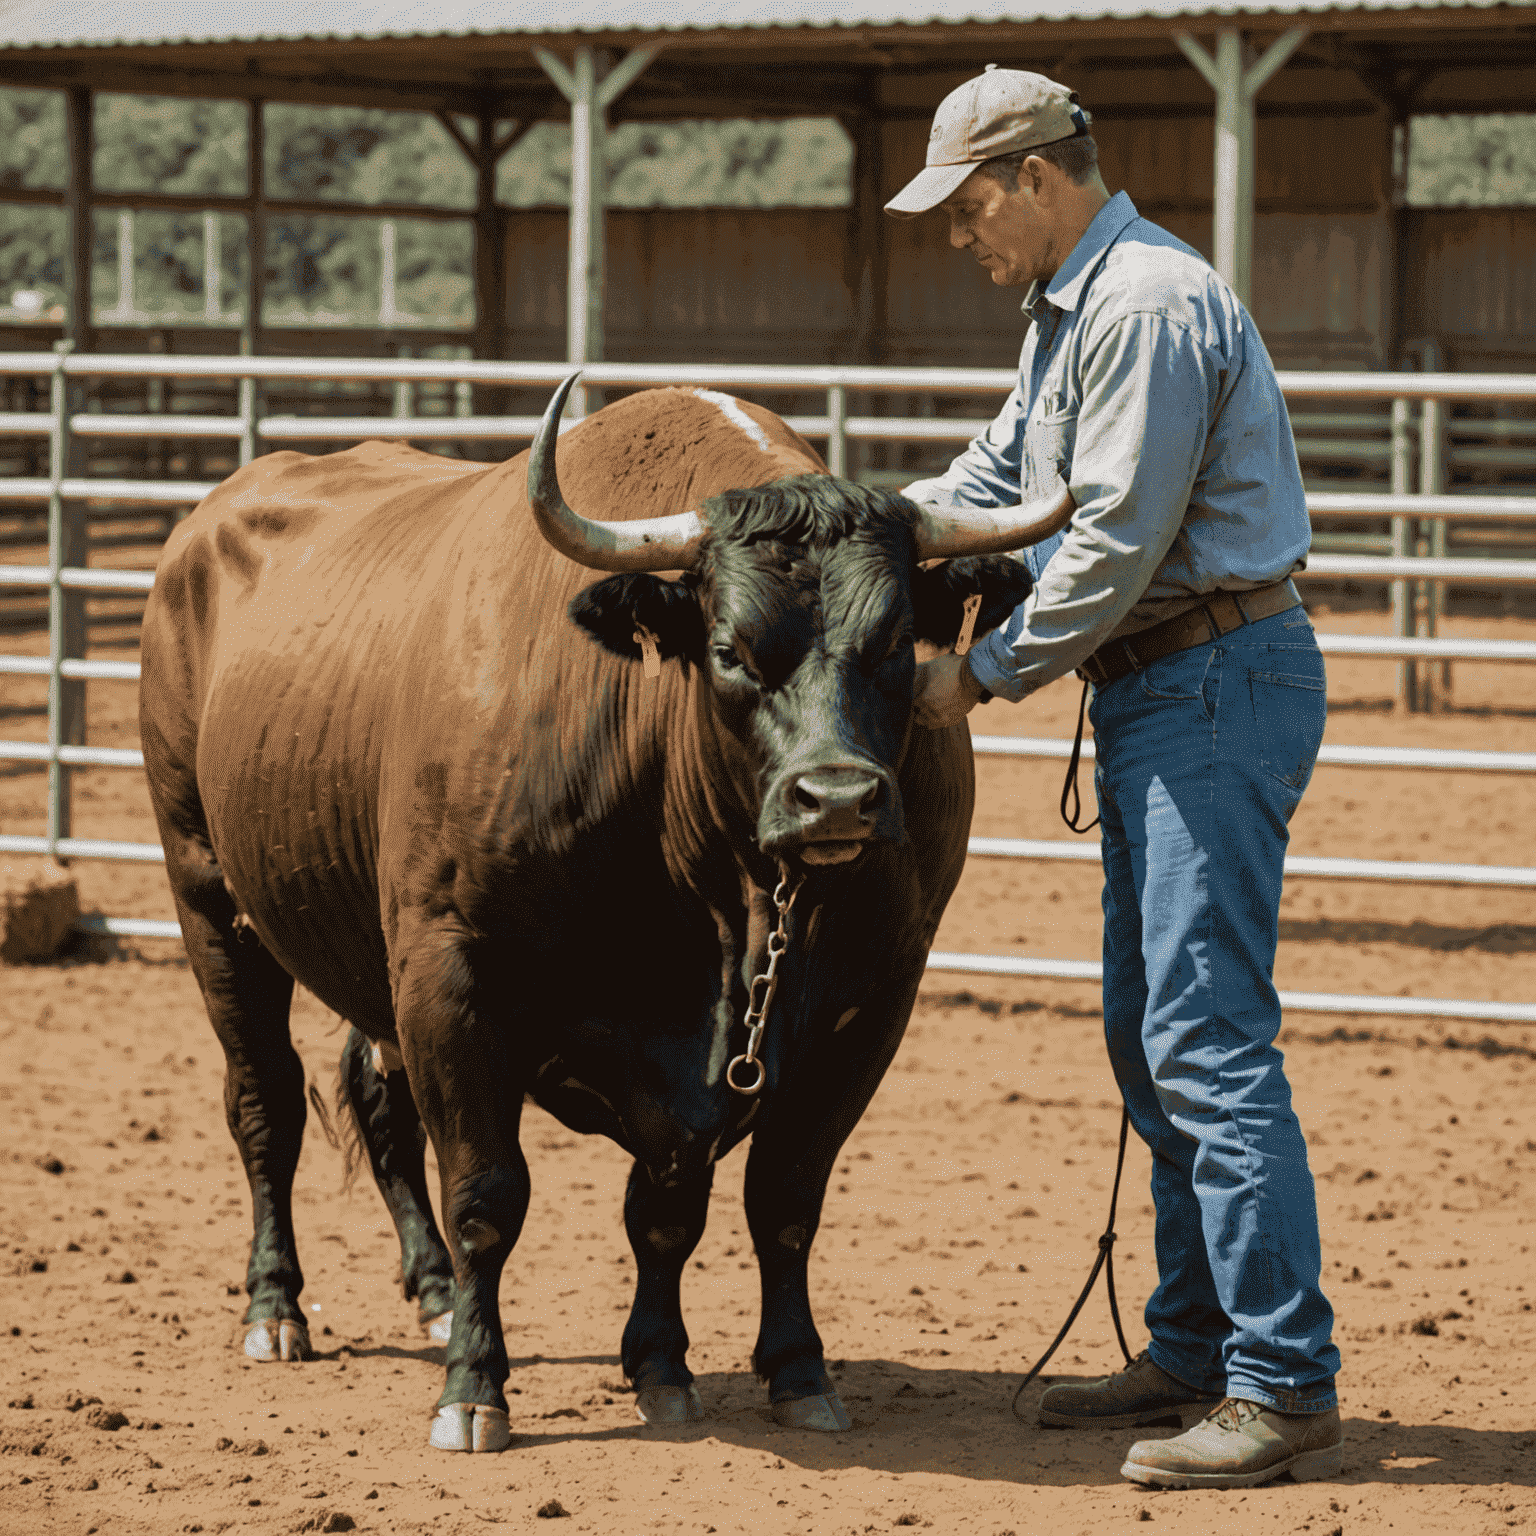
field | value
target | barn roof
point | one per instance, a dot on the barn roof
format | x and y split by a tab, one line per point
120	23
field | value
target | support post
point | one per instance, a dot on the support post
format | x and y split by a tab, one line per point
68	528
1433	680
837	435
1402	613
255	273
1237	83
490	245
867	266
66	699
213	270
590	97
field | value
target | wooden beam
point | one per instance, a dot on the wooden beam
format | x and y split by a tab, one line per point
256	230
490	246
470	151
78	200
867	270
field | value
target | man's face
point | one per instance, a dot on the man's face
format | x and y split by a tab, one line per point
1009	233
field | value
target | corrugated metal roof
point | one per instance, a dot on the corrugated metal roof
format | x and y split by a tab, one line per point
85	23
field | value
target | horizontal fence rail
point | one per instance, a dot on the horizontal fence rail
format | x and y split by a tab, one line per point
1444	758
1301	1002
1393	560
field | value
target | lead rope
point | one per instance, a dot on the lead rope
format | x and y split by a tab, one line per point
1106	1262
1106	1258
1069	789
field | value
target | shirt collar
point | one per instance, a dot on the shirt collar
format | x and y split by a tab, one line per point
1066	288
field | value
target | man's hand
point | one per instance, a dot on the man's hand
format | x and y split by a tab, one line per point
946	691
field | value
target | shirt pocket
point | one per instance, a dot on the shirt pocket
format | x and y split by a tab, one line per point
1049	442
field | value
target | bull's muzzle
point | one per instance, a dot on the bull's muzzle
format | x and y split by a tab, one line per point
826	813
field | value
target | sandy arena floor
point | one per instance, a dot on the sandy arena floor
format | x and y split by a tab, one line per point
960	1224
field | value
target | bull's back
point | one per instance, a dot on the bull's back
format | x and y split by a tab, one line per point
266	647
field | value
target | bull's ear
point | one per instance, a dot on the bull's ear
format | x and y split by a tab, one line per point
939	594
612	610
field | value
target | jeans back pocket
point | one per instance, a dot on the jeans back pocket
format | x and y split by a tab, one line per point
1290	710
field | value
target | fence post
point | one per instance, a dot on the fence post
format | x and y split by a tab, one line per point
837	436
1402	625
66	610
403	402
1431	541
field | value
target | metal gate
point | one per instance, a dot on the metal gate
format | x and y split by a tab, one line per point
66	582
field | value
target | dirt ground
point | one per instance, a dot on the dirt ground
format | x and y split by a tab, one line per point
960	1224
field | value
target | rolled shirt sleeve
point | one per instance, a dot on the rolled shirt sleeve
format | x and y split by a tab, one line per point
1148	392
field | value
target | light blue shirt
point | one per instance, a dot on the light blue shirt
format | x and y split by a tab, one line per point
1145	380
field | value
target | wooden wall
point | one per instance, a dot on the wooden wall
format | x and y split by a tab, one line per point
780	285
1469	280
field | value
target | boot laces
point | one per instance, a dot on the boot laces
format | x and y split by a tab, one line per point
1233	1413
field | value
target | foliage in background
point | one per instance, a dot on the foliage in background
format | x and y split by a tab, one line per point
161	144
32	139
322	269
330	268
364	155
1485	160
800	162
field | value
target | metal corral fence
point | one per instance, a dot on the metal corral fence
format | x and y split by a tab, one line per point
66	578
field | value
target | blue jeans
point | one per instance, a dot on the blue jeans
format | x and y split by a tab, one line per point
1202	759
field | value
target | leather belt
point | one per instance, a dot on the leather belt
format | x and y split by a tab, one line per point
1218	615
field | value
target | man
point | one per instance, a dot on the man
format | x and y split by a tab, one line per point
1144	383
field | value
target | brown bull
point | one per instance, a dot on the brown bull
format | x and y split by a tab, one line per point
401	752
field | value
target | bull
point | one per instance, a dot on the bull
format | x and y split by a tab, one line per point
402	753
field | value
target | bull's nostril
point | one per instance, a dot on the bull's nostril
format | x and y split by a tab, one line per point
805	798
874	799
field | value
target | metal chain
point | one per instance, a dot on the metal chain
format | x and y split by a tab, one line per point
760	993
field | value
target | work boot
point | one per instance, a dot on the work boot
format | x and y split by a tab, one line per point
1240	1445
1141	1394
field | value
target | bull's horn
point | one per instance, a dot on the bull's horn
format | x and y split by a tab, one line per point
647	544
992	530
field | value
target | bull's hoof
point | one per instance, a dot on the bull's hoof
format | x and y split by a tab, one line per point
669	1405
440	1327
824	1412
278	1339
470	1427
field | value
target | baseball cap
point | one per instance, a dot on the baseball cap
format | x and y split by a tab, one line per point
998	113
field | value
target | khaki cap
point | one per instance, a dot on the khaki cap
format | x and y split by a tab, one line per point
997	113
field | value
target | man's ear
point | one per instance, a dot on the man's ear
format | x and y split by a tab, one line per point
612	610
939	594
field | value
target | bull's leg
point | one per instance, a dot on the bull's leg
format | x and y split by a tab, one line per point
247	994
471	1102
665	1223
392	1134
788	1168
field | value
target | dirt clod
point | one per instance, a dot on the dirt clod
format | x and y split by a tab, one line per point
552	1509
110	1419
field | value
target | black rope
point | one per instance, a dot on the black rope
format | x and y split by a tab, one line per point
1069	789
1106	1262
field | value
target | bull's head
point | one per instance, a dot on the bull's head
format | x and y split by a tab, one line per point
801	601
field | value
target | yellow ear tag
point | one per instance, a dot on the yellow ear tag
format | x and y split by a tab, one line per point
968	623
650	655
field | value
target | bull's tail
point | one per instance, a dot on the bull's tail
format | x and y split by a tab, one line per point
341	1130
353	1150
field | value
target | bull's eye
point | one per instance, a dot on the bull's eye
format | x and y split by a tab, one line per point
727	659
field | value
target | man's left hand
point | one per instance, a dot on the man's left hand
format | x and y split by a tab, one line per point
946	691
